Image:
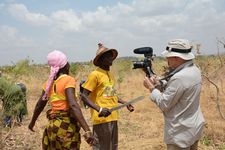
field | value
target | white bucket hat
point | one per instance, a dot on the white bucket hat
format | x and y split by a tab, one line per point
179	48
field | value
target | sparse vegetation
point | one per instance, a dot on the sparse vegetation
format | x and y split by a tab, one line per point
140	130
206	141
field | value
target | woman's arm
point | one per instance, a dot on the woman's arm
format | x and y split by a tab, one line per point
75	108
38	109
76	112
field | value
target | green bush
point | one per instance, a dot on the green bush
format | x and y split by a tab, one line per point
21	67
13	99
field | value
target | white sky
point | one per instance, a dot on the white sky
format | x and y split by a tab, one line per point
33	28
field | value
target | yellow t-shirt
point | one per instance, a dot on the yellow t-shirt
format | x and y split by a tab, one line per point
101	84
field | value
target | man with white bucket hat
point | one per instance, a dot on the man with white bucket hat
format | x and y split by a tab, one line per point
179	101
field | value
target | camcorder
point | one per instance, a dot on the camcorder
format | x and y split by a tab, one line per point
145	64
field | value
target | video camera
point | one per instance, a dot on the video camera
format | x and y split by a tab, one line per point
145	64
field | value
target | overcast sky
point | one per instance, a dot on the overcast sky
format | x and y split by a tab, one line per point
33	28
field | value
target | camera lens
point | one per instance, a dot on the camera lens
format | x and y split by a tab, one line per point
138	64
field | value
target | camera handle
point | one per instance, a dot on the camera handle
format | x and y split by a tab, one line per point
149	72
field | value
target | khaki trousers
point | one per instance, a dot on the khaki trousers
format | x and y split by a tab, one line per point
174	147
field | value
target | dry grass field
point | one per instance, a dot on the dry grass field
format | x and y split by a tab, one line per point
139	130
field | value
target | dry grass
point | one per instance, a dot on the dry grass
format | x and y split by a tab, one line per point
139	130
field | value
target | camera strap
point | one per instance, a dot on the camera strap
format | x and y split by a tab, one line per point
185	65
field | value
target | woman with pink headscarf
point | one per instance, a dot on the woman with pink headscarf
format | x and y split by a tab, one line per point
64	115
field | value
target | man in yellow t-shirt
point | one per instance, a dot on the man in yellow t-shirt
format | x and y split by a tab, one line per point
102	96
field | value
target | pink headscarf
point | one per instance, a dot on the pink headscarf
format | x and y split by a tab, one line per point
56	60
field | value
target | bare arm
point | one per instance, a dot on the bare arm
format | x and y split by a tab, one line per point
75	109
129	107
103	112
90	103
38	109
77	113
121	101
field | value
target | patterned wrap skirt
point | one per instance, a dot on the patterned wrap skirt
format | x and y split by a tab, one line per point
61	133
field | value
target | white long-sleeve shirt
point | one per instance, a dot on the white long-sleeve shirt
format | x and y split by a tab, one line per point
179	103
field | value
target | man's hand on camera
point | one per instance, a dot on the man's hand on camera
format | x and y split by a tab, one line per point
104	112
150	83
154	79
